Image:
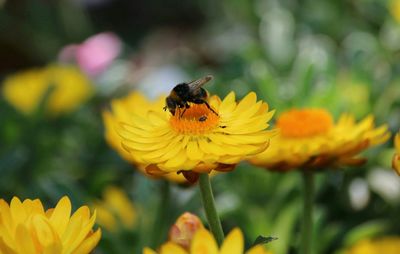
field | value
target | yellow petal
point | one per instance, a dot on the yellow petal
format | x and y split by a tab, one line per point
203	243
5	216
17	211
148	251
247	102
60	216
89	243
176	161
44	232
227	105
171	248
193	151
55	248
84	230
233	243
25	241
258	249
5	248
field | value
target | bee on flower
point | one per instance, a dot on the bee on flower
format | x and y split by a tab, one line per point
199	136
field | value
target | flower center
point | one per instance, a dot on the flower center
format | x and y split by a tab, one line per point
197	119
297	123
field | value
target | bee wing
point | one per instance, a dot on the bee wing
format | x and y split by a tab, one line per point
196	84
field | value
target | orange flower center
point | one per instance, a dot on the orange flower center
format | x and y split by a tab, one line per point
197	119
304	123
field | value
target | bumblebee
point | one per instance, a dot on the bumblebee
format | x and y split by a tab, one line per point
185	93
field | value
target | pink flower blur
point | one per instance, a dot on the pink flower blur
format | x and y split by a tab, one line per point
95	54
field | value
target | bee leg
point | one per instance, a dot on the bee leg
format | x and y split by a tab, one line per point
186	106
210	108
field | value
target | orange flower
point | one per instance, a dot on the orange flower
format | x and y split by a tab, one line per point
310	139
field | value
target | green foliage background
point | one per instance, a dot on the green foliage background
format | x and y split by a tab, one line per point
342	55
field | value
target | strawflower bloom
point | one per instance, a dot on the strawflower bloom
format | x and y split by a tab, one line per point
184	229
310	139
123	110
385	245
115	209
396	156
26	228
68	88
204	243
198	140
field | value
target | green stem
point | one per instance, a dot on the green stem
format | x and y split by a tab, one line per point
307	223
207	198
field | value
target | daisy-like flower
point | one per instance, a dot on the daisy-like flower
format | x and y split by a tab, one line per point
396	156
116	209
122	111
198	139
69	89
204	243
26	228
386	245
309	139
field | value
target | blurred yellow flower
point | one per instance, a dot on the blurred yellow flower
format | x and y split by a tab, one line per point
122	110
386	245
25	228
396	156
116	209
196	139
25	90
394	8
309	139
204	243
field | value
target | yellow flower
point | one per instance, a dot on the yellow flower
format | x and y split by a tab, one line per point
386	245
196	139
204	243
394	8
122	110
115	209
25	90
309	139
25	228
396	156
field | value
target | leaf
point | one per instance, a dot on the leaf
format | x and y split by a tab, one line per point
264	239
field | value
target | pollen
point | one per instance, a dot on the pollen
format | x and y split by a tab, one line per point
195	120
304	123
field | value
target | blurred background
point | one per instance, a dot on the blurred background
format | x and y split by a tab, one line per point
343	55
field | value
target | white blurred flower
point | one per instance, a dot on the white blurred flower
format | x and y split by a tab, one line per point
386	183
359	194
277	34
161	80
